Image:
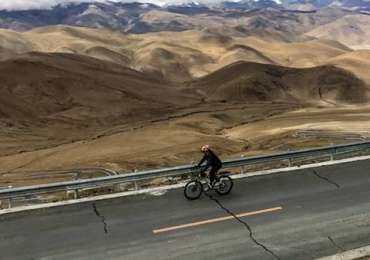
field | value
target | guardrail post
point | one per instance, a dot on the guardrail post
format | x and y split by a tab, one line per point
135	182
289	160
332	153
75	194
9	203
242	167
77	176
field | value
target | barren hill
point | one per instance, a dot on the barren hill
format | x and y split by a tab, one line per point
74	92
296	54
352	30
357	62
251	82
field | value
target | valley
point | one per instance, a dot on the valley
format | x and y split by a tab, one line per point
147	94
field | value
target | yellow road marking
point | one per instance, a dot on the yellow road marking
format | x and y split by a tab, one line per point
214	220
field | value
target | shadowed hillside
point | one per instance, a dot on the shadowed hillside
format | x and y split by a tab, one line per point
78	87
357	62
251	82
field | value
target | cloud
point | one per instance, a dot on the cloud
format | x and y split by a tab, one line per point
36	4
12	5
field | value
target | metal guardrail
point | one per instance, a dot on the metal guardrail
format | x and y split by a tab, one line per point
174	171
78	171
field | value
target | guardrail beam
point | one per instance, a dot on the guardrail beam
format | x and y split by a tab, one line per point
134	177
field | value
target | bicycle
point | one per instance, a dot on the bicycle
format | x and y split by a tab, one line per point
199	184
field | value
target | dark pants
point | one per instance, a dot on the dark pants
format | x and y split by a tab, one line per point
212	173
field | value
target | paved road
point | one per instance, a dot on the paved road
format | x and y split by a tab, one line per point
323	211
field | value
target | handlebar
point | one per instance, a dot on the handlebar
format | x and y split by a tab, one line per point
198	169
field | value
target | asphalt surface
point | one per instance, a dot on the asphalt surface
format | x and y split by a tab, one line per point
323	211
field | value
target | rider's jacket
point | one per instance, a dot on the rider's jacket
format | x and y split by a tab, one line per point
211	160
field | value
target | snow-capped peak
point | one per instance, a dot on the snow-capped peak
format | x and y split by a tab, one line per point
186	4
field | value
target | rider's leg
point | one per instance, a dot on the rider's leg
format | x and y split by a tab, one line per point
212	174
217	170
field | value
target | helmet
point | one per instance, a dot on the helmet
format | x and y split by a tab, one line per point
205	148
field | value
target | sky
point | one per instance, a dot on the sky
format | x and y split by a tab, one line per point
46	4
33	4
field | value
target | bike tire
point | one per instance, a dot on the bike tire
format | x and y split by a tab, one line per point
226	185
193	190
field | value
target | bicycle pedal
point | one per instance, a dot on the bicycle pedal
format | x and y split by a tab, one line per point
209	186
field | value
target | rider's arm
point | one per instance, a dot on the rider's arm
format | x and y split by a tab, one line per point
202	160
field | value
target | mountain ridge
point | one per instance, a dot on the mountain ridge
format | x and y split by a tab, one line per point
128	17
175	56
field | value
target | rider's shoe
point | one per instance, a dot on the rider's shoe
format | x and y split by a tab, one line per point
216	184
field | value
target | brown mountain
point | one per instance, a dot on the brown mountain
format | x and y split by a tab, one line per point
251	82
69	85
352	30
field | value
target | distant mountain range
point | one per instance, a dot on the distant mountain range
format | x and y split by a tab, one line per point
145	17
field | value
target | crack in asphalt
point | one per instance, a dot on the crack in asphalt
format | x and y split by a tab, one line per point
341	249
97	213
326	179
251	235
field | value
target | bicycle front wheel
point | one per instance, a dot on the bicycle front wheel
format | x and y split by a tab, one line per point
225	186
193	190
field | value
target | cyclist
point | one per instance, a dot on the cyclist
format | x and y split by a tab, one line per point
212	161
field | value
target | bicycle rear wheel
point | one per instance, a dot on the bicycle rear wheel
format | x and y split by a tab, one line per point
225	185
193	190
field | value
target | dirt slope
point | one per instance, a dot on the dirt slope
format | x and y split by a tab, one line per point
61	83
358	62
351	30
251	82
